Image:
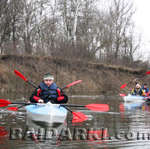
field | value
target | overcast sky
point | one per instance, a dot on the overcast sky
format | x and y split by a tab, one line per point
142	22
142	25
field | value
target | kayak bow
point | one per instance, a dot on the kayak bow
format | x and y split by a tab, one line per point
48	113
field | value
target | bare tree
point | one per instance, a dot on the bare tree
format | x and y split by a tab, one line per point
4	24
121	13
115	33
68	28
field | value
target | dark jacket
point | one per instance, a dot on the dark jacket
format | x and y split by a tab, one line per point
48	94
139	92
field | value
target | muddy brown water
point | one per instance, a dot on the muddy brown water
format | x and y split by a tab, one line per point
123	127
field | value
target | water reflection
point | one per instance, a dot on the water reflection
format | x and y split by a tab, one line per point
124	126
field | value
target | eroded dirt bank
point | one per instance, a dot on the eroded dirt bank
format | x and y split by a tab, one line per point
97	78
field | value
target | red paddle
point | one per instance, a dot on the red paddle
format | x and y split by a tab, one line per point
92	107
123	86
4	103
24	78
98	107
122	95
12	108
71	84
77	116
20	75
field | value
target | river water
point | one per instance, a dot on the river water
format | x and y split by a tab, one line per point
123	127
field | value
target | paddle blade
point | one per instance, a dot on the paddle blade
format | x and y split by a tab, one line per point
12	108
148	72
122	95
4	103
20	75
78	117
98	107
123	86
73	83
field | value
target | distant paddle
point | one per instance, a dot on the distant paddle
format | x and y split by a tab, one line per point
122	95
124	85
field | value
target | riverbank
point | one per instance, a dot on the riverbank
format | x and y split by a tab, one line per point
97	78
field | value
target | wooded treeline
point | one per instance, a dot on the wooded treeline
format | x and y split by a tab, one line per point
76	29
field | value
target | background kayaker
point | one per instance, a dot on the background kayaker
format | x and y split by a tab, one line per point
145	89
137	90
48	91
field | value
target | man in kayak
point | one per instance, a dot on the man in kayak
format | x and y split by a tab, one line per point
138	90
48	91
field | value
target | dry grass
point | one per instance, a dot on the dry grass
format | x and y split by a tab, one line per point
98	78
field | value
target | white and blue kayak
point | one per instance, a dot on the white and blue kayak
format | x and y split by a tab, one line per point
133	102
132	98
48	113
132	105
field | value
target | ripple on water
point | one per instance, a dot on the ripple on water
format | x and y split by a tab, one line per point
127	123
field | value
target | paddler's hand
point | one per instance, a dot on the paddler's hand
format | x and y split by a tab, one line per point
40	101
